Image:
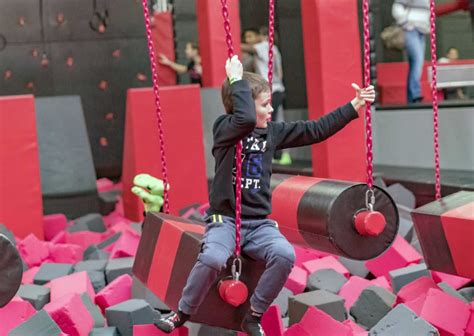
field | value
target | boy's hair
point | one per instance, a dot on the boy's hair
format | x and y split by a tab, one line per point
193	45
257	85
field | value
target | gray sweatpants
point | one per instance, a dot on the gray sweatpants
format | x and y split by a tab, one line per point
260	240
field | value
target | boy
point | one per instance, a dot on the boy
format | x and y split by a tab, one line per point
247	100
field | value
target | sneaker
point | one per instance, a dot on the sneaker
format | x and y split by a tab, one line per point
173	321
251	324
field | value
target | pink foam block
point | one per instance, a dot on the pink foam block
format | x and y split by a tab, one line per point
15	313
296	330
357	330
60	238
326	262
104	184
453	280
351	290
317	322
297	280
306	254
399	255
76	283
29	275
126	245
121	227
447	313
66	253
382	281
202	209
83	238
53	224
415	289
470	324
114	218
271	321
152	330
115	292
33	251
119	206
71	315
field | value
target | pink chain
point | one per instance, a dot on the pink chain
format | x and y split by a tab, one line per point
271	40
434	94
368	114
156	89
238	149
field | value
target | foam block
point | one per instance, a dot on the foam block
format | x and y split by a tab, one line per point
38	296
97	279
104	184
115	292
271	321
40	324
20	173
453	280
451	291
317	322
399	255
468	293
297	280
470	324
450	315
109	331
402	195
328	302
304	254
118	267
29	275
126	245
49	271
403	276
83	238
402	321
107	201
91	222
129	313
327	279
357	330
355	267
93	252
32	250
282	300
75	283
91	265
415	289
373	304
324	263
71	315
53	224
15	313
66	253
152	330
296	330
94	311
6	232
351	290
140	291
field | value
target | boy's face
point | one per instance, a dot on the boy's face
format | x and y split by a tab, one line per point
190	51
264	109
251	37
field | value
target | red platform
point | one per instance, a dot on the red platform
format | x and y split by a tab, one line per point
21	205
182	122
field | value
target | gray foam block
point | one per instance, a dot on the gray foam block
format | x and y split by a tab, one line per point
94	310
93	252
206	330
37	295
402	276
50	271
137	227
40	324
372	305
451	291
97	279
402	195
140	291
91	222
109	241
282	300
129	313
327	279
406	228
90	265
402	321
107	201
109	331
468	293
355	267
330	303
117	267
5	231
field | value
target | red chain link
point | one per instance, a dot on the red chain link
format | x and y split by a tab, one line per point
156	89
271	40
368	113
434	95
238	147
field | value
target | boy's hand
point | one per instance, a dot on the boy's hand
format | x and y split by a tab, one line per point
164	60
234	69
362	96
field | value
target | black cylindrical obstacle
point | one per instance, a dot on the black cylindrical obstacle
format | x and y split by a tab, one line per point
11	270
320	213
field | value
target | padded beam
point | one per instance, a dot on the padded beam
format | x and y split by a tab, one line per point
163	42
181	107
21	207
332	63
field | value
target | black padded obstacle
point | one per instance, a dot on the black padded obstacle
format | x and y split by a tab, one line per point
11	270
68	180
